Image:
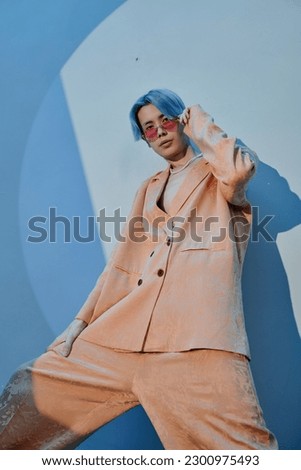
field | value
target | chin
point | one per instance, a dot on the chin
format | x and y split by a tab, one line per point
167	156
173	156
169	153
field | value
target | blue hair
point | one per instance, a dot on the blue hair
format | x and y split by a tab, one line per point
168	102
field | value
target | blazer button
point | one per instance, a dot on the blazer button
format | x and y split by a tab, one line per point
139	282
168	242
160	272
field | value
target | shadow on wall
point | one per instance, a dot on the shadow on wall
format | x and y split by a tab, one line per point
272	330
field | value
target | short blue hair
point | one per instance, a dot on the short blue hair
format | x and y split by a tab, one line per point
168	102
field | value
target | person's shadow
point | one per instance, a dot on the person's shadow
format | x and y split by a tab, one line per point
272	330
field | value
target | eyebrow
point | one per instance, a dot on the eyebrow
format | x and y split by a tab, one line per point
150	122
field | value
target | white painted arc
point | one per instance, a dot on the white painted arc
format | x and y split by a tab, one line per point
250	85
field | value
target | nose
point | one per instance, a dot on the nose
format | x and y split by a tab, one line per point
161	131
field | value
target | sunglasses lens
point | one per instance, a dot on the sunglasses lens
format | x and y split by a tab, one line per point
151	133
169	125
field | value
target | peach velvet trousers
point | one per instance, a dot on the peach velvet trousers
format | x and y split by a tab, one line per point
199	399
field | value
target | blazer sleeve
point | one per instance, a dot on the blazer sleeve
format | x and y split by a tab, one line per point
231	161
86	311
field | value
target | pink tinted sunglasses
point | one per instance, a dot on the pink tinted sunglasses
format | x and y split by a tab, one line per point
151	133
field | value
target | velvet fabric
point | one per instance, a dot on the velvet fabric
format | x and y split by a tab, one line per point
201	399
165	325
174	282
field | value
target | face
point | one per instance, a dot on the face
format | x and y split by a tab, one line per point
169	142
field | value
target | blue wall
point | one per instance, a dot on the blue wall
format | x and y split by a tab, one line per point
41	168
43	284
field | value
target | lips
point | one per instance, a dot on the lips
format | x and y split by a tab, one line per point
165	142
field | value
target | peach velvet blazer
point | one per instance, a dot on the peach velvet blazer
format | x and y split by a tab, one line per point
174	283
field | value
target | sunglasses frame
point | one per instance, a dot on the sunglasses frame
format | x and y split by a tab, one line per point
169	126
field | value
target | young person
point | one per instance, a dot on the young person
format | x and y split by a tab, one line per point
164	325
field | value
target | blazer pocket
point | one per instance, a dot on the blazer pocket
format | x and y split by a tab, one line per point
124	281
126	270
206	244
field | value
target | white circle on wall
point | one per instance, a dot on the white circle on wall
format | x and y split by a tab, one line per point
193	50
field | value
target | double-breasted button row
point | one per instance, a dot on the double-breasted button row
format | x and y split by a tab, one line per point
160	273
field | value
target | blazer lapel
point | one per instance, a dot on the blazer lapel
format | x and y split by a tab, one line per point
194	177
153	193
157	183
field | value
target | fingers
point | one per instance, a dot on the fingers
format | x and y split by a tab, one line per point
74	330
66	349
67	338
184	117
